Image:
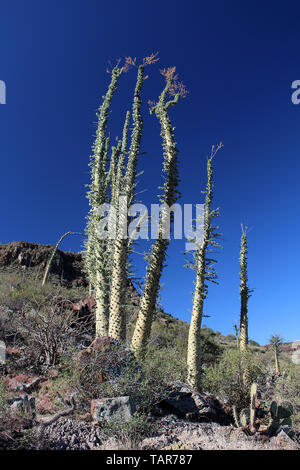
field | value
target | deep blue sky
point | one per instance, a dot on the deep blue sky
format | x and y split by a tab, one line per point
238	60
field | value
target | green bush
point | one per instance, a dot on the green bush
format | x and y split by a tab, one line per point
116	373
20	289
287	388
225	379
165	365
128	434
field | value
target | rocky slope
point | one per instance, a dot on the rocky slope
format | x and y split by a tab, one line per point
182	419
67	268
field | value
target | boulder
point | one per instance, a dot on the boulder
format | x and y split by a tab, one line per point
193	406
85	307
106	409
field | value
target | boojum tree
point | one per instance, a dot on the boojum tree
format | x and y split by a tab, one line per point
204	268
124	195
106	188
245	292
275	342
96	253
170	194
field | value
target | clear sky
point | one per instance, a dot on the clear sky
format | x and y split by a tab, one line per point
238	61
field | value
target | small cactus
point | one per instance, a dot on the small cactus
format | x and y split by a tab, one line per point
253	403
282	411
245	417
280	416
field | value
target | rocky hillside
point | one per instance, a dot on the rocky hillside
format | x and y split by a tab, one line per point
60	387
27	256
67	269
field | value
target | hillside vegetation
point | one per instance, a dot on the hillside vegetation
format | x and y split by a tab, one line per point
45	328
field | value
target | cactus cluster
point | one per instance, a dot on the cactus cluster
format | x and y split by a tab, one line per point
249	418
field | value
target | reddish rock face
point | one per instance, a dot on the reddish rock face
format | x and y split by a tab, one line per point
85	307
69	266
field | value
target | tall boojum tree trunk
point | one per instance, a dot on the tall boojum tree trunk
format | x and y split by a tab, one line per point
96	260
204	271
158	252
125	196
244	294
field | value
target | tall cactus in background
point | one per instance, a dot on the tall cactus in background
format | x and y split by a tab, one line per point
204	271
124	198
245	292
96	248
275	342
158	252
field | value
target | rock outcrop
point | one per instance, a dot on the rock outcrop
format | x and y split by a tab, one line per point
25	255
106	409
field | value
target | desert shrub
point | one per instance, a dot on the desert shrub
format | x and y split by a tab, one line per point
166	365
225	379
287	388
210	350
52	394
106	372
253	343
115	372
49	329
18	289
166	332
129	434
35	315
230	338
